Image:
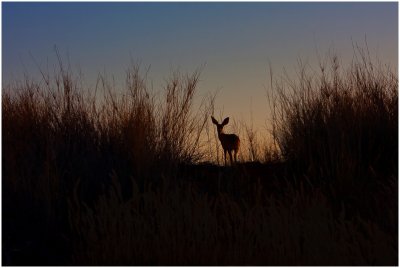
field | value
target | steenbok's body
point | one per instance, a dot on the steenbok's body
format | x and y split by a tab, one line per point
229	142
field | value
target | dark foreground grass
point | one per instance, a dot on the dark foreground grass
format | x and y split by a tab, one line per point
113	180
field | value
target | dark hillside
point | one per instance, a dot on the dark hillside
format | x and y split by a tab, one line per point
120	180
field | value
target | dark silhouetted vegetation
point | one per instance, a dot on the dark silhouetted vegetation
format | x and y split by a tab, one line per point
109	176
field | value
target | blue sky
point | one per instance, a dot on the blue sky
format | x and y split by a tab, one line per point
234	41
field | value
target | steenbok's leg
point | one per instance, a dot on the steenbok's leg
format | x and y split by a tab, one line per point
230	157
225	156
235	156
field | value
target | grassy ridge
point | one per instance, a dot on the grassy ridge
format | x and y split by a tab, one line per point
340	128
106	179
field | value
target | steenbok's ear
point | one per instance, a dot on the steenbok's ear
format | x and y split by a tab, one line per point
226	121
214	121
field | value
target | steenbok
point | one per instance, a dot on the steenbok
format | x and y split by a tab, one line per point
229	142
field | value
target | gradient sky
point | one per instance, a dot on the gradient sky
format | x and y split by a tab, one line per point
234	41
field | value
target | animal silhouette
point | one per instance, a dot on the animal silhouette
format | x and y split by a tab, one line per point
229	142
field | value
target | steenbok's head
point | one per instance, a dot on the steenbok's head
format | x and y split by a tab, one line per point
220	126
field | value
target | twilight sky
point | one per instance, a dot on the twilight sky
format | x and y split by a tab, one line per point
234	41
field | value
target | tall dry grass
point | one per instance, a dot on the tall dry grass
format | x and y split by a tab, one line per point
57	135
340	117
108	176
338	127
